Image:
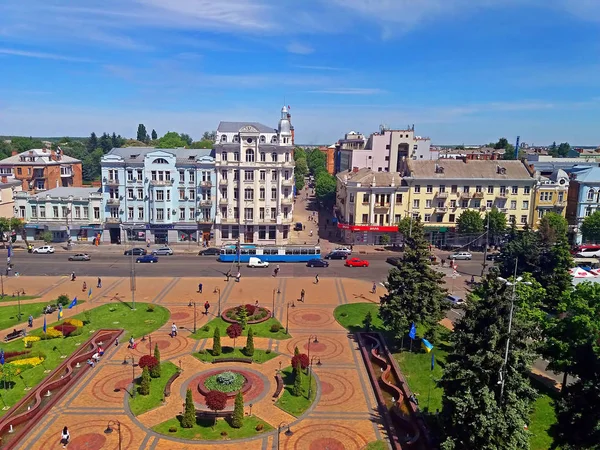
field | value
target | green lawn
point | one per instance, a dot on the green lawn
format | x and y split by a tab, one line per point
541	419
142	403
259	357
9	314
205	430
377	445
138	323
351	316
262	329
291	404
10	298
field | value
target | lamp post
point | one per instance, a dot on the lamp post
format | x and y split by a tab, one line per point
109	430
310	374
125	362
194	317
132	274
273	311
2	283
287	318
316	341
219	291
287	432
516	280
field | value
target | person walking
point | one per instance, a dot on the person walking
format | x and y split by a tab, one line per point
200	288
30	321
228	275
84	287
73	276
99	285
317	279
238	276
206	307
131	342
302	294
65	437
173	330
374	290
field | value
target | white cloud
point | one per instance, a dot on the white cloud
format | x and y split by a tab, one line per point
41	55
299	49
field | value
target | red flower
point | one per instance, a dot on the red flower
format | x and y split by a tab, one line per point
65	328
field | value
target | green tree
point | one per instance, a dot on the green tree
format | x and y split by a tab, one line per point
301	169
9	224
216	350
249	349
299	153
105	143
171	140
469	222
415	292
325	186
237	419
209	136
92	142
155	370
242	316
590	228
145	383
154	136
5	149
189	415
299	183
553	150
497	221
563	149
186	138
202	144
502	143
141	133
46	236
317	162
553	227
296	350
368	321
474	417
21	144
297	390
116	141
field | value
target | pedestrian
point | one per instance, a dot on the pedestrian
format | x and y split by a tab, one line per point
30	321
206	306
443	262
173	330
374	288
116	342
256	304
131	342
99	285
317	279
200	288
318	241
302	294
303	227
228	274
73	276
65	437
472	279
238	276
311	233
84	287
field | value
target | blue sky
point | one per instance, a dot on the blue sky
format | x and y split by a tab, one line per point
462	71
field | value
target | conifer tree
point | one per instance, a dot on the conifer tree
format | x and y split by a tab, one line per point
145	384
297	389
237	420
242	316
189	415
155	370
249	349
216	350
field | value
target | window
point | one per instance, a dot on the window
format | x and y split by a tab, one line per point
248	213
140	214
130	213
19	171
429	188
365	218
224	174
451	217
466	189
65	211
427	217
273	214
235	193
286	174
489	203
490	189
524	219
55	211
192	194
153	175
160	214
478	188
263	156
77	212
454	189
273	194
160	161
287	156
263	175
512	219
224	212
365	198
427	203
415	203
223	138
261	213
502	190
248	175
561	196
192	215
590	195
399	198
351	198
442	188
515	189
130	193
262	232
417	189
192	177
130	175
43	212
273	175
33	211
525	205
96	212
513	204
86	212
140	193
465	204
22	212
274	157
181	213
286	212
236	156
248	194
182	176
249	155
223	156
160	196
261	193
452	203
235	175
526	190
181	194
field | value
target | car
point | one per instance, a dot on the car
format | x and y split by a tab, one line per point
44	249
166	250
393	260
147	259
588	253
257	262
461	255
211	251
317	263
137	251
298	226
492	256
345	250
455	300
80	257
336	255
357	262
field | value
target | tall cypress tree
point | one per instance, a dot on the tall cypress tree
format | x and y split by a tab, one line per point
189	416
237	420
145	383
155	371
249	349
216	350
297	388
154	135
92	143
141	133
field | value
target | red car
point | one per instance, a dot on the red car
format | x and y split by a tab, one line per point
357	262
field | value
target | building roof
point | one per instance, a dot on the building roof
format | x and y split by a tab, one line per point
366	177
42	157
235	127
468	169
236	147
137	154
67	192
10	183
586	174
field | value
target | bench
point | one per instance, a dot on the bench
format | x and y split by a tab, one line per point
16	334
170	382
279	381
213	414
229	360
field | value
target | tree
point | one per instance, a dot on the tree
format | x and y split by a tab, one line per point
9	224
415	293
368	321
553	150
21	144
116	141
317	162
154	135
234	331
216	401
497	221
171	140
249	349
189	415
209	136
237	420
473	414
105	143
553	227
186	138
502	143
242	316
297	388
145	384
216	350
46	236
325	186
563	149
302	359
301	168
299	183
92	143
155	371
296	351
299	153
141	133
590	228
469	222
5	149
202	144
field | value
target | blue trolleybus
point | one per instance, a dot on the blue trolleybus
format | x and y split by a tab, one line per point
289	253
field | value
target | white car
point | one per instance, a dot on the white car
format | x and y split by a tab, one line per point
343	250
461	255
44	249
257	262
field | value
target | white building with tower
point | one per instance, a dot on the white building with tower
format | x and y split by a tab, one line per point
255	182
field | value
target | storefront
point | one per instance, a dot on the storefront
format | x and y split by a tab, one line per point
86	233
369	235
187	232
438	236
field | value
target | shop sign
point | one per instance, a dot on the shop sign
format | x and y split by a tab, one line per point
383	229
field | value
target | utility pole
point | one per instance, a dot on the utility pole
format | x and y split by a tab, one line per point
487	241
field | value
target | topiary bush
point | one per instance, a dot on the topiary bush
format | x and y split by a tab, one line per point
275	328
148	361
145	384
63	300
301	358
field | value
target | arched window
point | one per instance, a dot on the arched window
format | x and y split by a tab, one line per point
236	138
263	139
263	156
274	157
249	155
223	156
591	194
223	138
160	161
274	140
236	156
287	157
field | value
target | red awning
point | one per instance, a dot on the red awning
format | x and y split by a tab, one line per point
345	226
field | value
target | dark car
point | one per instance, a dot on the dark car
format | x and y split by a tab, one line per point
298	226
317	263
393	260
80	257
212	251
138	251
336	255
147	259
492	256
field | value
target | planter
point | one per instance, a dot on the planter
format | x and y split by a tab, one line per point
250	322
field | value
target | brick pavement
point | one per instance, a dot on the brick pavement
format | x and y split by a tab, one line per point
344	415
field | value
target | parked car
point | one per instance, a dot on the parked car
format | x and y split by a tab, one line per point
137	251
257	262
147	259
336	255
80	257
166	251
587	253
393	260
317	263
298	226
212	251
461	255
357	262
44	249
455	300
492	256
345	250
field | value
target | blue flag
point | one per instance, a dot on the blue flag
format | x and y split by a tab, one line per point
432	361
9	251
44	327
90	293
73	303
1	357
413	331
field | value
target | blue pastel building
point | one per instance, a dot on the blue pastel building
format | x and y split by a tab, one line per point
584	197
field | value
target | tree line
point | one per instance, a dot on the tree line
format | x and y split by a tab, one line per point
314	162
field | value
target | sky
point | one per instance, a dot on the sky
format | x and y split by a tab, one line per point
461	71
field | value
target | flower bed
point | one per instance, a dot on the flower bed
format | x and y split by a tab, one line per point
225	382
255	315
208	382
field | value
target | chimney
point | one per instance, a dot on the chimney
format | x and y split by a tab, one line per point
355	169
14	153
52	155
44	150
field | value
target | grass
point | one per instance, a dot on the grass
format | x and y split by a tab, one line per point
262	329
10	298
142	403
204	429
291	404
9	314
541	419
351	316
259	357
377	445
136	323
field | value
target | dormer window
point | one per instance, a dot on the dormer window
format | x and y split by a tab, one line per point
274	140
223	156
274	157
160	161
263	139
223	138
236	139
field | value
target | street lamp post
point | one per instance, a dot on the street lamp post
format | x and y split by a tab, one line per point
109	430
287	432
219	291
2	283
310	374
287	318
316	341
194	317
273	311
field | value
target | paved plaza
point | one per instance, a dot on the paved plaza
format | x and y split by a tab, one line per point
344	415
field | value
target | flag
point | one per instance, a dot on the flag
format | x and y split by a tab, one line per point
238	250
60	313
426	345
432	361
413	331
1	356
44	327
9	251
59	149
73	303
90	294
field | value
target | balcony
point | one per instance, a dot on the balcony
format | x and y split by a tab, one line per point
206	183
560	204
465	195
223	201
503	210
113	220
440	194
288	182
204	220
223	181
206	202
502	195
161	182
478	195
113	202
382	207
111	181
287	200
441	209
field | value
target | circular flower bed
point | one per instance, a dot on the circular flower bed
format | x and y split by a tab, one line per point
255	315
225	382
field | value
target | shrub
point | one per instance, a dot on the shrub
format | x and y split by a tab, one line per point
145	384
51	333
249	349
368	321
216	350
275	328
234	331
148	361
155	370
88	317
250	309
301	358
224	433
35	361
237	419
150	308
216	400
201	351
172	429
29	340
259	427
205	328
75	322
344	314
189	415
63	300
268	351
66	329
